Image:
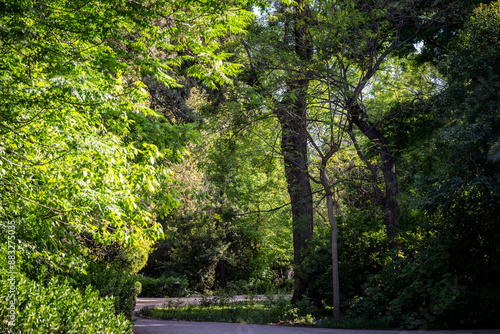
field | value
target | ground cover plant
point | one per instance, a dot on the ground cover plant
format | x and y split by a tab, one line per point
57	307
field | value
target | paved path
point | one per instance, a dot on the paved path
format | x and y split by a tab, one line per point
153	326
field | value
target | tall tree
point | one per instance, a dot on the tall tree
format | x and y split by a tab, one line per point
358	37
291	113
278	51
79	149
339	45
452	187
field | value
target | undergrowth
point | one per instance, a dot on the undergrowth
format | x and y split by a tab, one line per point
272	310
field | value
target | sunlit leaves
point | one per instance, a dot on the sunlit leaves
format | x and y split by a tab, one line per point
80	151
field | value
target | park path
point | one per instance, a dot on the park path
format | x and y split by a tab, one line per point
153	326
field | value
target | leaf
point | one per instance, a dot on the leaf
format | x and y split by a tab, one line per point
494	152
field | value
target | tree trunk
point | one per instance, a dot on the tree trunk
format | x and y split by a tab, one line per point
291	114
389	202
335	258
223	273
294	150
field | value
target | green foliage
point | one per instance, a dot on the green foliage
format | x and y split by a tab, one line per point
270	310
477	52
248	186
428	292
113	282
162	287
258	286
56	307
80	151
363	249
239	312
210	231
273	310
460	188
482	314
193	245
87	166
447	277
494	152
138	287
221	229
136	255
130	258
83	159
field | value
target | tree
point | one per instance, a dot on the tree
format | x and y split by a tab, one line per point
338	46
294	145
360	37
451	190
278	46
230	183
80	150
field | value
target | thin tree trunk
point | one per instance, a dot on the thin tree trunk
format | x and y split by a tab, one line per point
223	273
335	260
325	181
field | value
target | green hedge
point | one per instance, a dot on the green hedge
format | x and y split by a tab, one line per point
162	286
111	282
57	308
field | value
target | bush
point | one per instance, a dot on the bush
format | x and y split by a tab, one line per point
58	308
112	282
362	251
162	286
138	287
475	307
427	295
261	287
192	248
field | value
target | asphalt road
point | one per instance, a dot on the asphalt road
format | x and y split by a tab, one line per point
153	326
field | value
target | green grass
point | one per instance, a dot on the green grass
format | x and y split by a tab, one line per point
256	314
276	311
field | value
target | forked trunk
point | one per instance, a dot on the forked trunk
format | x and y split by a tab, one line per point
389	202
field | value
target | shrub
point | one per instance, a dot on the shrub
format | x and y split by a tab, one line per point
162	286
362	249
241	287
138	287
58	308
427	295
113	282
192	248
